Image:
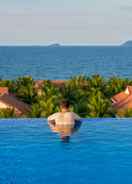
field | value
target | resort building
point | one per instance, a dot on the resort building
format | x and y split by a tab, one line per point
123	100
57	83
40	83
8	100
4	90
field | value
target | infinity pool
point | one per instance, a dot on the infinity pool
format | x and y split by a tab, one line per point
100	152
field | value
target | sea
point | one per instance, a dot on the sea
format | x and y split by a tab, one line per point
64	62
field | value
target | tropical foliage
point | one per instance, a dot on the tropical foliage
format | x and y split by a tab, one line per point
46	103
89	96
23	88
116	85
7	113
6	83
125	113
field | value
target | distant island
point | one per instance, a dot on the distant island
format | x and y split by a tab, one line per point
55	45
127	44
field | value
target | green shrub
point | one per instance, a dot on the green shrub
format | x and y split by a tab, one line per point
7	113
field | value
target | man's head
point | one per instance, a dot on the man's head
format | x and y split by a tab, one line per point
64	105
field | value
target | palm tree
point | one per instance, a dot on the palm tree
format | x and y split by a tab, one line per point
76	82
116	85
7	113
23	88
6	83
47	103
97	82
99	105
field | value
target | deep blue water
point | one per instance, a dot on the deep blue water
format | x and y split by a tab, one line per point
64	62
99	153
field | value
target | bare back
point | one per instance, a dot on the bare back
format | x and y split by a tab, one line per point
64	118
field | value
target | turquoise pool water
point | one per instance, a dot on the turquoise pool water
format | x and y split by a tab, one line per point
100	152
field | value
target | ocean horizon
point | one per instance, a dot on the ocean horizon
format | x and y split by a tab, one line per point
62	62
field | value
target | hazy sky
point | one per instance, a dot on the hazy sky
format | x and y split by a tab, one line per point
65	21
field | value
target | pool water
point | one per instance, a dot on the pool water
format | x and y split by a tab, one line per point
100	152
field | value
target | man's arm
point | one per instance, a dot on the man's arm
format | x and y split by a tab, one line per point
52	117
78	122
76	117
51	120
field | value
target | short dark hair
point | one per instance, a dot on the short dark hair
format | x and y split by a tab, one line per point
65	104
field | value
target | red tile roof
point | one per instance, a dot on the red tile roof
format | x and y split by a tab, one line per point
15	103
4	90
39	84
123	100
57	83
119	97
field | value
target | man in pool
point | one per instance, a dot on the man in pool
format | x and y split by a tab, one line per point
64	118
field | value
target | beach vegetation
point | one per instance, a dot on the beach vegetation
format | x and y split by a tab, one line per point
7	113
23	88
89	96
47	103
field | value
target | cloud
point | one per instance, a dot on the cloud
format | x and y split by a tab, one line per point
127	8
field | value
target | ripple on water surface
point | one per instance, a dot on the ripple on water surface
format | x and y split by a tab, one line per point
99	153
64	62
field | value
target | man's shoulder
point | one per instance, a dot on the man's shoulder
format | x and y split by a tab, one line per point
76	116
52	116
56	113
73	114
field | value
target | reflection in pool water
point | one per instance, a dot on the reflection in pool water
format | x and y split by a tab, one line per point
65	131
